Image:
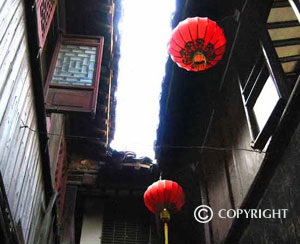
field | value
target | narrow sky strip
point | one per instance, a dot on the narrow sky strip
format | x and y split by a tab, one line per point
145	31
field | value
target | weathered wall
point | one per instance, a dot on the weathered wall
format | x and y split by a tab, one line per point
20	163
282	193
92	223
56	122
228	174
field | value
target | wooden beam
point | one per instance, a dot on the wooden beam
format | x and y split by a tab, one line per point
38	94
283	24
286	42
231	53
280	4
108	109
289	58
274	65
292	74
68	225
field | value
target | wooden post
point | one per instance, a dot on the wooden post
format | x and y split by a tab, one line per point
68	227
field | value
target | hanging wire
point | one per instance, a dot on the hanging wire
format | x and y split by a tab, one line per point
71	137
211	148
59	135
226	17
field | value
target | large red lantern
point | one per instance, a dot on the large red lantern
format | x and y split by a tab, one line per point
197	44
162	198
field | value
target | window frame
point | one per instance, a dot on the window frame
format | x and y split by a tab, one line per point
267	61
94	41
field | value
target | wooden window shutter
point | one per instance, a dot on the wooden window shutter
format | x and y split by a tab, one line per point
73	79
45	11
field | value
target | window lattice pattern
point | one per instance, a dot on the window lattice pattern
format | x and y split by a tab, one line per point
45	12
127	223
75	65
125	232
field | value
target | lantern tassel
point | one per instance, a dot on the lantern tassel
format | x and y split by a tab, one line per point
165	217
166	233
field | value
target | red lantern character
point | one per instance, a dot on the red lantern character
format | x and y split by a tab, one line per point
197	44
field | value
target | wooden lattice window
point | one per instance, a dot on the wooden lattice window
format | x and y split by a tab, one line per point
45	11
73	80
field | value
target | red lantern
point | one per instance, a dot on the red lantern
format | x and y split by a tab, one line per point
162	198
197	44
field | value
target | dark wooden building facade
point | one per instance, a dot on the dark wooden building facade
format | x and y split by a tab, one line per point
213	140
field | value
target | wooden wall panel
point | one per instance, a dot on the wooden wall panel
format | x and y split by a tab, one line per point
218	194
20	162
218	189
58	159
229	173
35	214
242	165
57	127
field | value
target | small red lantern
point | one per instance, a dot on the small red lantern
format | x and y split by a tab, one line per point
162	198
197	44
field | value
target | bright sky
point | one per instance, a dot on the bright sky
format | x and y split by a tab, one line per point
145	31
